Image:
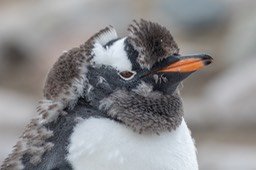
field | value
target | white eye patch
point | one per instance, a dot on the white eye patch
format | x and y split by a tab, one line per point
114	56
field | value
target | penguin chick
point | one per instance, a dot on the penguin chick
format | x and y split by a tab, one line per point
113	104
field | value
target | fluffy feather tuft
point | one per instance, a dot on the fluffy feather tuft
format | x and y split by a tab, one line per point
153	42
145	110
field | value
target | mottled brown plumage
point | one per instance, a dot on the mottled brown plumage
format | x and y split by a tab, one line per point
145	110
153	42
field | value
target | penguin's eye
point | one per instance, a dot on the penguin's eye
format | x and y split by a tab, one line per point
127	75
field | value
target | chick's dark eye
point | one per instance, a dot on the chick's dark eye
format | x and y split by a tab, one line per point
127	74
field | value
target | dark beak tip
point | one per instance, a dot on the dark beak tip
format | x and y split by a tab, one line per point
207	62
207	59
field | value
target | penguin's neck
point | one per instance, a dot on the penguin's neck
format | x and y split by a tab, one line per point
142	108
149	112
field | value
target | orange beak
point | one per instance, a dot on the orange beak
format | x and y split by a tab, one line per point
187	64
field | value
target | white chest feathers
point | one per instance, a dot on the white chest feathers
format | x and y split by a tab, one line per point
103	144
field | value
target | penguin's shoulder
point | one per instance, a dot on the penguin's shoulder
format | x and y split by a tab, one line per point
63	127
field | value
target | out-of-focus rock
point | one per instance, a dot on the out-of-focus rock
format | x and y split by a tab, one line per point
241	37
225	156
233	93
228	99
16	110
197	16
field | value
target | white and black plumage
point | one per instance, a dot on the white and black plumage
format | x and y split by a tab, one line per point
113	104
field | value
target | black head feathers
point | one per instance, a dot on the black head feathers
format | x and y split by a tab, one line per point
153	42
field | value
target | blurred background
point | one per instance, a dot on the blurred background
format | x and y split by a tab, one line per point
219	101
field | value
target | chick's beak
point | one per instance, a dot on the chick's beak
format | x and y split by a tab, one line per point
187	63
175	69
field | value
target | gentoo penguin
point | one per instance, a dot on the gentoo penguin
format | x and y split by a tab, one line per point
113	104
